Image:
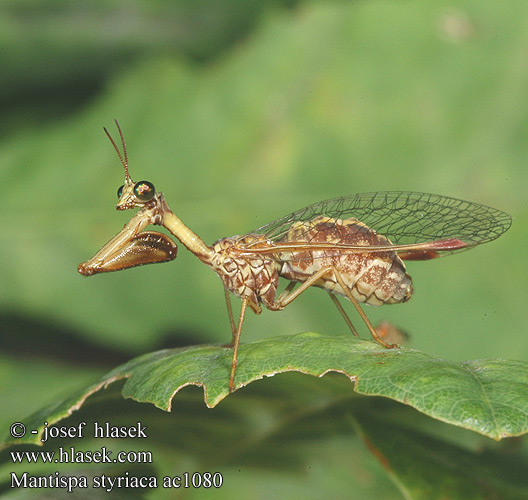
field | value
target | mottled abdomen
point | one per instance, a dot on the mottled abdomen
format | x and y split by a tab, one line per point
373	278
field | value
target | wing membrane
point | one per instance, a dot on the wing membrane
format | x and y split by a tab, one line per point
413	222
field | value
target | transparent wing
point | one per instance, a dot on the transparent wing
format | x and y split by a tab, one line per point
406	218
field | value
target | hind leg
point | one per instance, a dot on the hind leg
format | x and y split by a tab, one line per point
290	295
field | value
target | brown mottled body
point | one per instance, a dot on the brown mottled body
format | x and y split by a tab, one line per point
373	278
251	276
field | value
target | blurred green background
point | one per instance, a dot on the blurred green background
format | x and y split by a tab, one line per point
241	112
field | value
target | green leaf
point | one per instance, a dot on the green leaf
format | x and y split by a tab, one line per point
486	396
436	469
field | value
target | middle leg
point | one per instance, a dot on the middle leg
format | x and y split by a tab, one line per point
290	295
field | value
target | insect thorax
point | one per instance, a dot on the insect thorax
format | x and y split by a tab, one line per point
374	278
250	275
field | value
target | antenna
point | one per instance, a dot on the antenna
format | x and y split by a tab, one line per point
125	161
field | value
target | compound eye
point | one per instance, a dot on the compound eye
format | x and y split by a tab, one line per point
144	190
120	191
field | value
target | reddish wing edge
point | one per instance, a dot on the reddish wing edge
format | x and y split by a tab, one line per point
417	251
434	249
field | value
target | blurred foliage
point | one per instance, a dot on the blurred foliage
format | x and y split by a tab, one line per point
241	112
58	56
